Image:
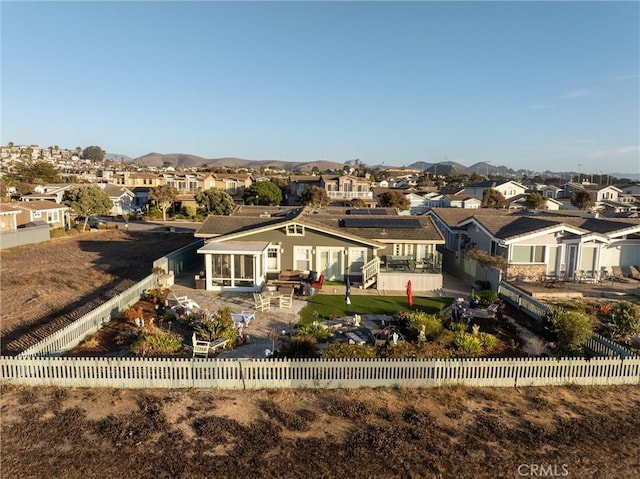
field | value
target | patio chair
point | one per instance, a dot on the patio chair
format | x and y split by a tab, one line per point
200	348
286	301
242	319
262	303
318	284
635	274
616	274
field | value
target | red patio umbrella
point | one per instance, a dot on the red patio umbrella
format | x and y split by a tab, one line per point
409	293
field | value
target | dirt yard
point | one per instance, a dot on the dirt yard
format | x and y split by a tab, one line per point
46	286
449	432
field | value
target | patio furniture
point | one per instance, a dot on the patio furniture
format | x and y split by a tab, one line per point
218	343
242	319
200	348
262	303
635	274
407	263
318	284
286	301
616	274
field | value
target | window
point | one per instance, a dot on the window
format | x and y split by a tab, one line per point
302	258
273	254
528	254
357	259
243	266
53	216
295	230
231	186
221	266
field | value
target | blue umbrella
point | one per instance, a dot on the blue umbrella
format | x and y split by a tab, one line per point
347	290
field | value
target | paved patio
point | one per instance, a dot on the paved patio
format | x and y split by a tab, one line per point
268	325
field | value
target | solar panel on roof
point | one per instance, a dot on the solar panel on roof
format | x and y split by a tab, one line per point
367	211
381	223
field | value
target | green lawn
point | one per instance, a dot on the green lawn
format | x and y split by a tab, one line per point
330	306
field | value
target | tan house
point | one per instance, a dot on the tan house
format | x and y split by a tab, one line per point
8	217
54	214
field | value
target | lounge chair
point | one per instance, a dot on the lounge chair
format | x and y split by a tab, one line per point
616	274
635	274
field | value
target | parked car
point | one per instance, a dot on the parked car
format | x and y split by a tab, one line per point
93	222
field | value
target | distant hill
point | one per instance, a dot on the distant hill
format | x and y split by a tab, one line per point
182	160
443	167
117	157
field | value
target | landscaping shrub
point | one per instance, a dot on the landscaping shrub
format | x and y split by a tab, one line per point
218	325
467	343
344	350
415	321
315	330
154	342
488	341
571	327
485	296
425	350
626	320
300	346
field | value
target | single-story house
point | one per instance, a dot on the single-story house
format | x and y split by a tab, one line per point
563	243
54	214
252	244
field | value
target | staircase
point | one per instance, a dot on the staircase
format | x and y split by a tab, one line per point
370	272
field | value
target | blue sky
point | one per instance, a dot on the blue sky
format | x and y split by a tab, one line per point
539	85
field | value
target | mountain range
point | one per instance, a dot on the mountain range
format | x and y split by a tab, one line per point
183	160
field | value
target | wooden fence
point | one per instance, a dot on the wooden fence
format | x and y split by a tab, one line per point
63	340
597	345
314	373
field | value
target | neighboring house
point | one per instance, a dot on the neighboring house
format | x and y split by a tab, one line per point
508	189
254	243
560	243
461	201
233	183
55	215
346	187
551	191
519	202
134	180
298	184
50	192
8	217
122	198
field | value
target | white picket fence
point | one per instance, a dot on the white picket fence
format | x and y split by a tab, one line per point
65	339
315	373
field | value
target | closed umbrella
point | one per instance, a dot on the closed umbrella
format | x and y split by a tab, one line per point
347	292
409	293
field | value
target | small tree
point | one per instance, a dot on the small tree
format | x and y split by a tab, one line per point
164	196
87	201
583	199
215	201
535	201
358	203
263	193
93	153
492	198
315	196
394	199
